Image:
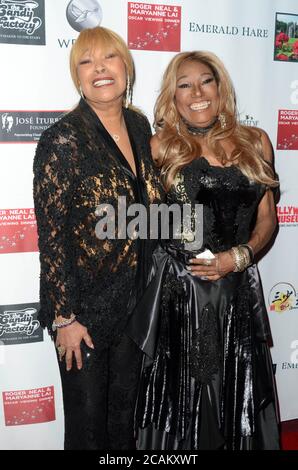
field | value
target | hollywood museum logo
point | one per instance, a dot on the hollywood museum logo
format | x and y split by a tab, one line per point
282	298
287	216
286	37
22	22
154	27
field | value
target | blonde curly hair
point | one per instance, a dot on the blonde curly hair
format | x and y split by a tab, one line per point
178	148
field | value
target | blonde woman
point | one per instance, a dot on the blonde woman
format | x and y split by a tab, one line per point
88	284
207	379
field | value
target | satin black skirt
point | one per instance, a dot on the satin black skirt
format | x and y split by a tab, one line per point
207	379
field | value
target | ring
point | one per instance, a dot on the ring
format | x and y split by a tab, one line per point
61	351
204	278
208	262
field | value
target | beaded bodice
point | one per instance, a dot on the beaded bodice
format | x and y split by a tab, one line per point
228	200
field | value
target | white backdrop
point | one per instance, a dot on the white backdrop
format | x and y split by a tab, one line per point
36	77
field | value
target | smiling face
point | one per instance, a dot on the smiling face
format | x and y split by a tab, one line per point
102	76
196	96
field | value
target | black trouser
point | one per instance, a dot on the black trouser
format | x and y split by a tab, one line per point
99	399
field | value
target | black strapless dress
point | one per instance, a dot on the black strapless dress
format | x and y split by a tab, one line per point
207	380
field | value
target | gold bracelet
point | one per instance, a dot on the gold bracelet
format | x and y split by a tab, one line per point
241	258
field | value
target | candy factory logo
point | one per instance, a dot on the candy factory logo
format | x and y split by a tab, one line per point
83	14
18	320
154	27
26	126
287	216
29	406
282	298
248	120
287	134
19	324
22	22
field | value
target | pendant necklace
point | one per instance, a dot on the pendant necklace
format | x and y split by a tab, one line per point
116	137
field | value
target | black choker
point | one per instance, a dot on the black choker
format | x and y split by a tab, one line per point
193	130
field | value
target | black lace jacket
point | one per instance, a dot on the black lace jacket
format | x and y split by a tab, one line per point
78	166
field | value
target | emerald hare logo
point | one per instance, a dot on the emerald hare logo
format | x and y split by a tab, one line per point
179	222
83	14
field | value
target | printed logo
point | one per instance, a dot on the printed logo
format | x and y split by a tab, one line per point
287	134
229	30
29	406
26	126
286	37
18	232
287	216
19	324
22	22
293	364
83	14
282	297
154	27
249	120
7	122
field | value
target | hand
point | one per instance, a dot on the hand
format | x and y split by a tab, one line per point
69	341
212	269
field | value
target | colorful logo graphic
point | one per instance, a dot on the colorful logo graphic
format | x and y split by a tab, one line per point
22	22
18	233
19	324
26	126
282	297
83	14
286	37
29	406
154	27
287	134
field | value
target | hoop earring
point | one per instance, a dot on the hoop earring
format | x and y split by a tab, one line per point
223	121
128	94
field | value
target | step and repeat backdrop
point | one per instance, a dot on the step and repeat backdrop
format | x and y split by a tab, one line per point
258	42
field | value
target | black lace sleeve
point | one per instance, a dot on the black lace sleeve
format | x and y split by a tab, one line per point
54	177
